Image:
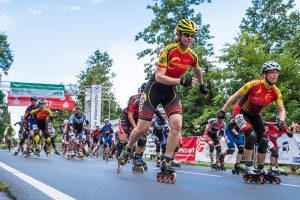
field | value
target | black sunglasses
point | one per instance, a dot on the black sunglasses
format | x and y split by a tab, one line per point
189	35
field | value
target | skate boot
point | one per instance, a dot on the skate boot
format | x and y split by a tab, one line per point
144	163
167	173
253	175
222	163
270	176
48	153
138	166
174	163
237	169
27	153
278	171
16	153
215	166
123	158
37	153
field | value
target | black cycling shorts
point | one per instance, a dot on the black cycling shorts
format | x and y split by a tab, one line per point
158	93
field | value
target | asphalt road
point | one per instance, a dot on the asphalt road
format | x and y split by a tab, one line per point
58	178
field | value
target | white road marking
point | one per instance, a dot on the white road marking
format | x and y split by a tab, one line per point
48	190
290	185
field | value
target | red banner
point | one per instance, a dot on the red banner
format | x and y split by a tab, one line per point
187	152
56	103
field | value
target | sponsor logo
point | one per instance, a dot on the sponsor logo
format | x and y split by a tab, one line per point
200	144
259	91
174	59
295	159
268	96
142	101
285	146
240	121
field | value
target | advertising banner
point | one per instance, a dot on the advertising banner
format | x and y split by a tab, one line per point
55	103
19	89
187	152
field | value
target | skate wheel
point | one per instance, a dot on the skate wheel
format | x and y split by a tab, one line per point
233	172
251	179
245	177
173	178
159	177
277	180
260	180
237	172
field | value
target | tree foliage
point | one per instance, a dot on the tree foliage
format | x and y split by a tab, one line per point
6	55
275	21
6	59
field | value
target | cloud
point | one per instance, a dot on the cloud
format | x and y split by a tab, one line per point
297	2
5	22
70	8
40	9
95	2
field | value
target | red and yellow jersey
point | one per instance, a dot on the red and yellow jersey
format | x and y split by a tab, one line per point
176	61
257	95
41	114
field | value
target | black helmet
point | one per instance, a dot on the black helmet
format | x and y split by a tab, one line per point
33	99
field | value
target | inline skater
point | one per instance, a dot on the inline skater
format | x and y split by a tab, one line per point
127	122
212	136
77	124
22	134
64	136
106	135
51	132
233	136
174	60
41	114
96	133
273	134
253	97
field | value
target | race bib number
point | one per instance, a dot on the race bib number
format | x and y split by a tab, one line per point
240	121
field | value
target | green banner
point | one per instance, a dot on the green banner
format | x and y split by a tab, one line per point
37	89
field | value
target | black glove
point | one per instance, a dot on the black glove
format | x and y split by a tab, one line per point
221	114
280	125
180	145
186	82
203	89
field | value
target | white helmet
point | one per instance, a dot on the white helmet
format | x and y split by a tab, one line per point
270	65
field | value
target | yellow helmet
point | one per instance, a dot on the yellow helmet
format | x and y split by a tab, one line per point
186	25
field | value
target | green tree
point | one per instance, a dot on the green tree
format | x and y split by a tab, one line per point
6	56
98	72
275	21
6	59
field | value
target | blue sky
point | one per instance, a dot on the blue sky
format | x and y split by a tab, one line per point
52	39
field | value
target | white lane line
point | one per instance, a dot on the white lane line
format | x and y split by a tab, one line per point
48	190
290	185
